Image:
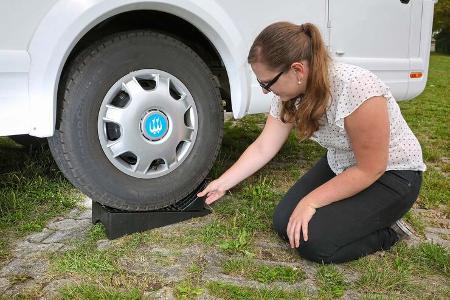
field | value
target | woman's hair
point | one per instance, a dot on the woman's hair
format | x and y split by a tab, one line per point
283	43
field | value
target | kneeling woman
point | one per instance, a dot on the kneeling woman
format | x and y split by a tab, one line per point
350	203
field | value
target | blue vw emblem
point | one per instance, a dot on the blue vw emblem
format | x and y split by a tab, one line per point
154	125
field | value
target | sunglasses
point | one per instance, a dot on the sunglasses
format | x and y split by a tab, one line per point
267	85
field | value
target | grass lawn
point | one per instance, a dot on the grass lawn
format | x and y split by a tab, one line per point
32	191
31	183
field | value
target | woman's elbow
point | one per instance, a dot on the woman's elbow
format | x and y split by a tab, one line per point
378	170
374	170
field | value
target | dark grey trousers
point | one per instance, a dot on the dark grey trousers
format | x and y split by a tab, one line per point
354	227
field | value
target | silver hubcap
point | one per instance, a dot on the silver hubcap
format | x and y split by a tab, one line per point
147	123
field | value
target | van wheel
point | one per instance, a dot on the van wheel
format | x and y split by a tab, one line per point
141	121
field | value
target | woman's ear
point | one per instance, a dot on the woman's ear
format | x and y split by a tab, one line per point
299	69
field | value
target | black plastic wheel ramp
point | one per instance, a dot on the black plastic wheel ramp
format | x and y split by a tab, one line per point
122	222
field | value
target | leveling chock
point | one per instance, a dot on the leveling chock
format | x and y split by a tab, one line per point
121	222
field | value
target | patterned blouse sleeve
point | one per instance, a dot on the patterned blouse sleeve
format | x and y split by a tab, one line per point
275	108
364	86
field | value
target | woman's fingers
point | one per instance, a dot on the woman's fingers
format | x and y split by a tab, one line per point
288	231
207	189
298	227
305	231
213	196
213	192
293	231
203	193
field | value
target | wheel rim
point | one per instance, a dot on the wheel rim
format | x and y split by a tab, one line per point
147	123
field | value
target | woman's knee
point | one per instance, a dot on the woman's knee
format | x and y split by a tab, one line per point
317	250
279	221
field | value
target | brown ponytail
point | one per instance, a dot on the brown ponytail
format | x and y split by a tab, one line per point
283	43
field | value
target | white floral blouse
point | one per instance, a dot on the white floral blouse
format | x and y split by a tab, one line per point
350	86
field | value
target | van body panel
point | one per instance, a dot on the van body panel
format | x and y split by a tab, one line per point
387	37
66	23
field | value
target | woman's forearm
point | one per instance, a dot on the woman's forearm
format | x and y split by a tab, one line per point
348	183
253	159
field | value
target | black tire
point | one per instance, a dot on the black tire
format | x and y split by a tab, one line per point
75	144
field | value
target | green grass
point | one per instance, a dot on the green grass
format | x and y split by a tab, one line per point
384	275
416	222
232	292
187	290
95	292
84	259
32	191
404	271
330	281
262	273
431	257
240	217
428	117
435	189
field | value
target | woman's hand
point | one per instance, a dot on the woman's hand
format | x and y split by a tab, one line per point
213	191
298	222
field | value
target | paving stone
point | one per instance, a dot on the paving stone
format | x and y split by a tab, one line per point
38	237
174	271
67	247
87	203
213	271
435	238
438	230
305	285
169	264
86	214
74	213
206	296
33	267
104	244
166	293
276	245
64	224
26	249
51	291
190	223
351	295
216	259
29	289
61	236
4	284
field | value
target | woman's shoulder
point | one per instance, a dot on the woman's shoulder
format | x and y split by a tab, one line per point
343	72
350	86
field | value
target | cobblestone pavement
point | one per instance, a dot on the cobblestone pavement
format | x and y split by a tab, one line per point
27	269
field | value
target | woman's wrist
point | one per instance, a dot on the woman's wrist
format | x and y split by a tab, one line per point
308	201
224	183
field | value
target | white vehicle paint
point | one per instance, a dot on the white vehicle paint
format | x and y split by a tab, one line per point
127	91
37	36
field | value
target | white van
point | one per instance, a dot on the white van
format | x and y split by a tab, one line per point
131	93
